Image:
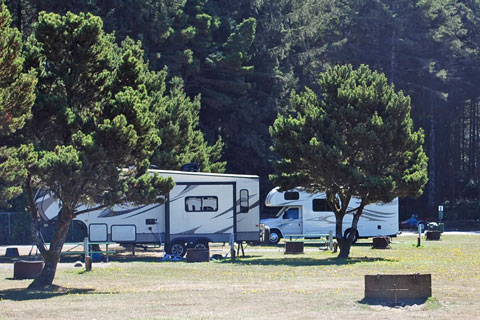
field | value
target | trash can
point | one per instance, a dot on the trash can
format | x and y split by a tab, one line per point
441	227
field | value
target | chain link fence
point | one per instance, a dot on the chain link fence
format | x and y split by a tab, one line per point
15	229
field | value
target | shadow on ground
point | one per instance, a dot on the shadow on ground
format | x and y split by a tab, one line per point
301	261
22	294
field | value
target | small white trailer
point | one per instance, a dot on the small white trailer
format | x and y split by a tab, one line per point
201	208
304	214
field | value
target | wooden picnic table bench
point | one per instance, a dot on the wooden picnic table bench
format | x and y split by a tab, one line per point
74	251
325	239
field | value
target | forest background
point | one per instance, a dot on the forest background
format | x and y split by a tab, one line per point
244	57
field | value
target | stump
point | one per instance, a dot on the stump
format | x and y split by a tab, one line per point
380	243
88	264
27	269
12	253
198	255
433	235
395	288
294	247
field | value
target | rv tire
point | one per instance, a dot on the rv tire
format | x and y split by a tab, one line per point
347	234
275	236
177	248
200	244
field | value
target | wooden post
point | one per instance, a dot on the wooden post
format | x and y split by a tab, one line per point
88	264
419	238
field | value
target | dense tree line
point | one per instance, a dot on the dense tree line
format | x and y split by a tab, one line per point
244	57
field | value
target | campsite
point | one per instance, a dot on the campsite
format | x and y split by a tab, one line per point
265	283
204	159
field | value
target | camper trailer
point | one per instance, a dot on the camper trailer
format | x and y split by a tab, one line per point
304	214
201	208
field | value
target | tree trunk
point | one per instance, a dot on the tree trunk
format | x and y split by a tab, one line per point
346	243
432	162
343	243
52	256
392	55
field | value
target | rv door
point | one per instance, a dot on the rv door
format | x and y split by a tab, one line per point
292	222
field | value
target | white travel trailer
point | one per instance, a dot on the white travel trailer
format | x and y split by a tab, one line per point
309	215
201	208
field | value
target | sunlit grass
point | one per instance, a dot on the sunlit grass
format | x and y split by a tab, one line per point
265	279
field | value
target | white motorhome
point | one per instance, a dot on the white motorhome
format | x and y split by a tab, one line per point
201	208
308	215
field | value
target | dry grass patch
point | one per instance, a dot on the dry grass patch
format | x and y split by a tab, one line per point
265	284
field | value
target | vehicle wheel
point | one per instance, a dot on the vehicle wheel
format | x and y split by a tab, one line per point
346	235
177	248
201	244
266	234
275	236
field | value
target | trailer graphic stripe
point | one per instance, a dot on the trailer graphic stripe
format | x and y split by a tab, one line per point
222	213
187	189
136	214
191	231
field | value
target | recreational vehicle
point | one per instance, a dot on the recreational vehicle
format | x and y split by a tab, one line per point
304	214
201	208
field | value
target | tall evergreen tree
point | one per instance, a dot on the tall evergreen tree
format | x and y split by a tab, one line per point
17	94
86	126
357	141
174	114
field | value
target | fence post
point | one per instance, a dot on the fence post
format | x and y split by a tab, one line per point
85	247
330	240
419	238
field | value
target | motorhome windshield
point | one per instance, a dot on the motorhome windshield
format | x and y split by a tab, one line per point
288	213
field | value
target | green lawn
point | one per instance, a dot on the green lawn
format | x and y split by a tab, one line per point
265	284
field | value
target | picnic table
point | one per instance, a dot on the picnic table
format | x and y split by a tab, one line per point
74	250
325	239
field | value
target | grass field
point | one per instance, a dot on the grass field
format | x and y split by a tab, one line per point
266	284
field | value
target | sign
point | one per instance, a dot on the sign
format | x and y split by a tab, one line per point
440	208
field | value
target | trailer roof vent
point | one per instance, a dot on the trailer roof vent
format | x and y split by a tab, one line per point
291	195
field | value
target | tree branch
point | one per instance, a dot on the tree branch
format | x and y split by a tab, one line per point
34	227
89	210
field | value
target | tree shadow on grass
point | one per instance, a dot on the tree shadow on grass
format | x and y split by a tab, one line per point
23	294
299	261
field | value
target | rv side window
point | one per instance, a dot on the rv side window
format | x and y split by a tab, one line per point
201	204
291	213
243	201
291	195
320	205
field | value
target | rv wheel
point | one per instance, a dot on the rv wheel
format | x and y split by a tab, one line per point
275	236
177	249
201	244
347	234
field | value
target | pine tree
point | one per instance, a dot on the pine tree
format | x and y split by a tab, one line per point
357	141
17	94
87	125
